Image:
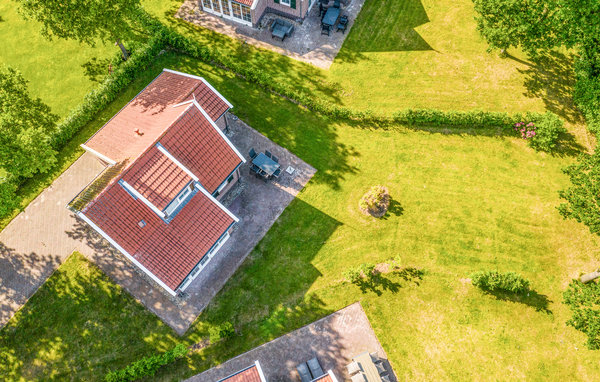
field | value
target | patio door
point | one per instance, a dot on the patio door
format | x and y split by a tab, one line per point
216	6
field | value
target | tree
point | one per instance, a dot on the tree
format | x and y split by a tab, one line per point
25	127
583	197
538	24
86	21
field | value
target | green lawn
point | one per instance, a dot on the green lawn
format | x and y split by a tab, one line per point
463	201
54	69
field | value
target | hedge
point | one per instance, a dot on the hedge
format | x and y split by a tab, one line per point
495	281
147	366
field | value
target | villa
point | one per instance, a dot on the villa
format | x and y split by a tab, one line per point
168	164
250	12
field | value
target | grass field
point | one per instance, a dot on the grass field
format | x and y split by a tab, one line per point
463	201
54	68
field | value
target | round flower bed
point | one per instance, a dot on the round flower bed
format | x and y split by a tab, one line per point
375	202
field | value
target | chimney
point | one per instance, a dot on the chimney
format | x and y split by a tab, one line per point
139	132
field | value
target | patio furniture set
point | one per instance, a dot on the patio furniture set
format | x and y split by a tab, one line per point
367	367
264	165
332	17
281	29
310	370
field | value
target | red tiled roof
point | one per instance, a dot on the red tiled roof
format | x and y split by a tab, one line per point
325	378
156	177
169	251
248	375
245	2
205	152
151	112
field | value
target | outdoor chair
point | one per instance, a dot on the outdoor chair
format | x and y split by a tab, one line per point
375	357
385	378
380	368
304	373
322	10
342	24
336	3
268	153
277	173
281	28
315	368
275	159
353	368
252	153
325	29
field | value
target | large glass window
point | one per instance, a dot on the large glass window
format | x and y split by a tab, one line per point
215	5
236	8
225	7
246	15
206	4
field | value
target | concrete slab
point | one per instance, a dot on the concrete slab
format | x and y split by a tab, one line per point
306	43
334	340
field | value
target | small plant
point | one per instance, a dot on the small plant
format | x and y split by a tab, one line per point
362	272
146	367
375	202
495	281
221	332
526	130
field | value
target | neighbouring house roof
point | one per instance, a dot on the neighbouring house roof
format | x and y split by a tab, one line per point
325	378
158	207
250	374
245	2
151	112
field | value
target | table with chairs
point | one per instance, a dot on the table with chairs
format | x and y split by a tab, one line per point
264	165
332	18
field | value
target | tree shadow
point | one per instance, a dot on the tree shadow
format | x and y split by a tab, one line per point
379	283
551	77
411	274
394	209
97	69
532	298
387	26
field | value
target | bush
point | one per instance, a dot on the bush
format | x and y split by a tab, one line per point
584	302
363	271
375	202
495	281
147	366
8	197
220	332
546	130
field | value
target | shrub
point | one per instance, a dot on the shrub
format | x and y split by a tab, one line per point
375	202
147	366
220	332
8	197
363	271
494	281
546	130
584	302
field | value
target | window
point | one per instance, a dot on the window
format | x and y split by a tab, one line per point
286	2
225	7
246	15
183	195
206	4
236	8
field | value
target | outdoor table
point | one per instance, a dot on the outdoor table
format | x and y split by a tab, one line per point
266	164
279	31
331	16
368	368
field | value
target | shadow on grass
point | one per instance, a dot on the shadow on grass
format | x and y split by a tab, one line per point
379	283
96	69
532	298
386	26
394	209
551	78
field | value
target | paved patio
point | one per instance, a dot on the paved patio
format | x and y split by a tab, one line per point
306	43
256	203
334	340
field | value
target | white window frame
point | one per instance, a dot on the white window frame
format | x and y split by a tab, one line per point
283	2
230	15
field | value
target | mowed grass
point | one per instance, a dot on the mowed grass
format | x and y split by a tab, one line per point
53	68
77	321
408	54
463	201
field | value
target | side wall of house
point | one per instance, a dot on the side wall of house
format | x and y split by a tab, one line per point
271	6
236	177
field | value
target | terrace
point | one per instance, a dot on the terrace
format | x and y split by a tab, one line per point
306	43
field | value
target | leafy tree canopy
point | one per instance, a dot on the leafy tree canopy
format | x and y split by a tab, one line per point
86	21
25	127
538	24
583	197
